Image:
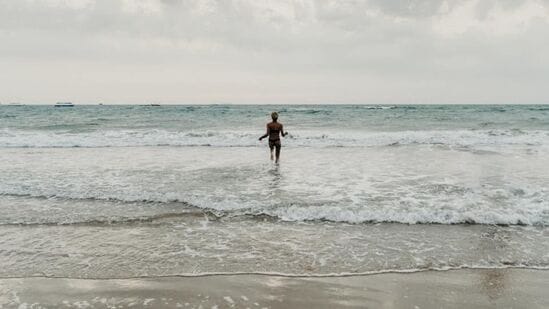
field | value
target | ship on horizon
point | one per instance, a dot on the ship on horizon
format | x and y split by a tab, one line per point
64	104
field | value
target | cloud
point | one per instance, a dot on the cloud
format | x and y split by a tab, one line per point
491	18
253	51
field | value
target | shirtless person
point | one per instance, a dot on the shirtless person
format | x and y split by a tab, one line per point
274	128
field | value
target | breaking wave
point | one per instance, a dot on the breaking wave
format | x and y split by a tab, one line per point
157	137
529	213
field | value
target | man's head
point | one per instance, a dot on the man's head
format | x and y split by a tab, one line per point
274	115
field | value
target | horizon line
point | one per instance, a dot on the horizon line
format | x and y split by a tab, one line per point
248	104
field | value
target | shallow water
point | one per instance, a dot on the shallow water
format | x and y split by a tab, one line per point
194	245
123	191
406	184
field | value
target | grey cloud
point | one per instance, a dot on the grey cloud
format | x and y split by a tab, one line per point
411	8
337	50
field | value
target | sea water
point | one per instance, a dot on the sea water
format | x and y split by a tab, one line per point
127	191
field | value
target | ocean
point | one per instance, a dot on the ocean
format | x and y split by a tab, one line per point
188	190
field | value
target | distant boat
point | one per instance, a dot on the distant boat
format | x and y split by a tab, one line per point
154	104
64	104
15	103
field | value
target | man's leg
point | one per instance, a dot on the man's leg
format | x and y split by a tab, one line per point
272	148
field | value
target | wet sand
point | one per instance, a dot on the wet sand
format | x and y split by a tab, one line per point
466	288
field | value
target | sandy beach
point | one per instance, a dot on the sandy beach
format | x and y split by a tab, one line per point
466	288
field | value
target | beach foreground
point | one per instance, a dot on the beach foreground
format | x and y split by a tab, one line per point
466	288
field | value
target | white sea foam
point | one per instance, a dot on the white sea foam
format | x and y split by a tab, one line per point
341	138
414	185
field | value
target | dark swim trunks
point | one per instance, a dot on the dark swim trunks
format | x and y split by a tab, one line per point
273	143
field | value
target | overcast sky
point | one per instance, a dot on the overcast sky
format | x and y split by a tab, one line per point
274	51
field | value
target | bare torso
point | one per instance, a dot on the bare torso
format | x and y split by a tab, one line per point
274	130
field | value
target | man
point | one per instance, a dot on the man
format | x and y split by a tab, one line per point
274	129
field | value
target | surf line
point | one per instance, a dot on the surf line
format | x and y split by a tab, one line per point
287	275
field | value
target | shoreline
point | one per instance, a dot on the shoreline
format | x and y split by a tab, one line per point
290	275
462	288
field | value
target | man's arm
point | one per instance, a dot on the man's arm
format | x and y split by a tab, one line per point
266	134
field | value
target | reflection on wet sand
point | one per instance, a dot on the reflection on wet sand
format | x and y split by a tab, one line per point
493	283
510	288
